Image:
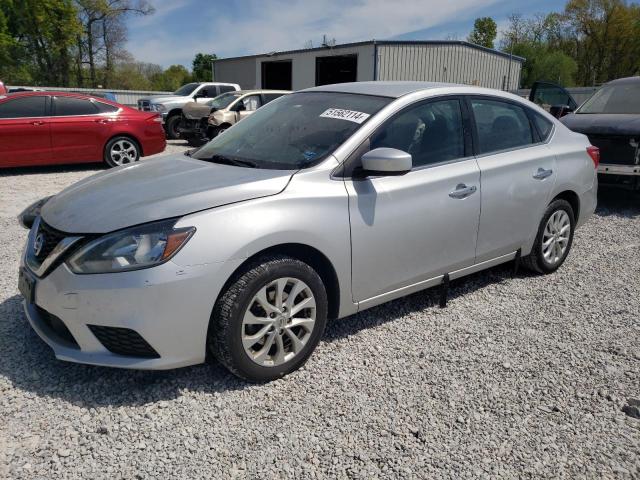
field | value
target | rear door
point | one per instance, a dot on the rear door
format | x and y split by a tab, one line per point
78	130
518	171
25	138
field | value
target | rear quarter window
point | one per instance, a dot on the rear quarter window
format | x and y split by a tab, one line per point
544	126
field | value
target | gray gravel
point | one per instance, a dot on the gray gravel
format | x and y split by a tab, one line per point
522	377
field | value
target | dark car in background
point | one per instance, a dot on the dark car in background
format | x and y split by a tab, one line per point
47	128
611	120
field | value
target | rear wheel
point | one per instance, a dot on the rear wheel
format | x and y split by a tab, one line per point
269	320
554	239
171	127
121	151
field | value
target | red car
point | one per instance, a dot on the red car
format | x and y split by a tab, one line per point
47	128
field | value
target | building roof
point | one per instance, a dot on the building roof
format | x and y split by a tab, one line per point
381	89
379	42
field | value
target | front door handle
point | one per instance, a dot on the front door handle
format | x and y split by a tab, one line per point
462	191
37	123
541	174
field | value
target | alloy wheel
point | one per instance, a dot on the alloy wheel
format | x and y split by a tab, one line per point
555	238
278	322
123	152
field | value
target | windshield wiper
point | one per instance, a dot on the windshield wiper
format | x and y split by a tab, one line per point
231	161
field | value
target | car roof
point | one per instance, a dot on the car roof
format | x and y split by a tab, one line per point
61	94
381	89
257	91
624	81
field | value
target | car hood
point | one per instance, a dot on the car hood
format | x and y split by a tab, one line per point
196	111
165	98
156	189
603	124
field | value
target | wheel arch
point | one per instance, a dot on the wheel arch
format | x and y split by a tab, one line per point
307	254
173	112
574	200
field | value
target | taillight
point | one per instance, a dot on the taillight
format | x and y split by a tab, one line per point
594	153
155	119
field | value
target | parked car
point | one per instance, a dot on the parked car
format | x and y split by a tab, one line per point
46	128
323	203
611	120
202	121
170	106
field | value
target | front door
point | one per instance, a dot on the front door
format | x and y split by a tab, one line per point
518	174
411	228
25	138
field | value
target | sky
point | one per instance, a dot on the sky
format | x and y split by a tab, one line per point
181	28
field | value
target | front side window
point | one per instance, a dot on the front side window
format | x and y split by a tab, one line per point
69	106
208	92
500	125
614	99
251	103
294	131
24	107
185	90
431	132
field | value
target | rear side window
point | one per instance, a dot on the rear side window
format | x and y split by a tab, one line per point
68	106
500	125
105	107
24	107
431	132
226	88
543	125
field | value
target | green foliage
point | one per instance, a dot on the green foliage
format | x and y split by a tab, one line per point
484	32
202	66
544	63
172	78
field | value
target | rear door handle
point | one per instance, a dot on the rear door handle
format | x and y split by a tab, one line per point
541	174
100	120
462	191
37	123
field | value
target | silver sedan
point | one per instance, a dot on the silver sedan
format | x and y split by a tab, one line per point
323	203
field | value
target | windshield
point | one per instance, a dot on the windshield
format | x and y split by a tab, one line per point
185	90
293	131
614	99
224	100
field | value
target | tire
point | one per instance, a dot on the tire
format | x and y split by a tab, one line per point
537	261
171	127
121	150
262	362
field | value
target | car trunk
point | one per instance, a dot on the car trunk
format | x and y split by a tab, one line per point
616	149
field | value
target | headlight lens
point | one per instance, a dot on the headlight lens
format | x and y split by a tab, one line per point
158	107
132	249
29	214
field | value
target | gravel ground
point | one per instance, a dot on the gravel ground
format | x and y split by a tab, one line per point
521	377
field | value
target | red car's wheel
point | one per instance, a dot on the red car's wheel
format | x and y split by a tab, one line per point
121	151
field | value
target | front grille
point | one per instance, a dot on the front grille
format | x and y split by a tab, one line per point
123	341
144	105
57	328
617	149
51	238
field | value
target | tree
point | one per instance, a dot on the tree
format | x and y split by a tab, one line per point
484	33
98	39
202	63
172	78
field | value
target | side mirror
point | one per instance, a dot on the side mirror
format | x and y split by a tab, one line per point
560	111
386	161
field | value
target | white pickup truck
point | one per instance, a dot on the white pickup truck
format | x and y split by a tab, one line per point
170	106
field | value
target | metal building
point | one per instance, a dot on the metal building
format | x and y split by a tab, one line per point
437	61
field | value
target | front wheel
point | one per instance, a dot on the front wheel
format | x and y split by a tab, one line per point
554	238
171	127
121	151
269	320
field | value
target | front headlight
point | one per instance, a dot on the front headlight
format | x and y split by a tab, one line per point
132	249
158	107
29	214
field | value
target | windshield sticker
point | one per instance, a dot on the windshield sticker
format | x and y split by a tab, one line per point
309	154
349	115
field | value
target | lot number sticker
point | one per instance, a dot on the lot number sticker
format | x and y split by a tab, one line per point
349	115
